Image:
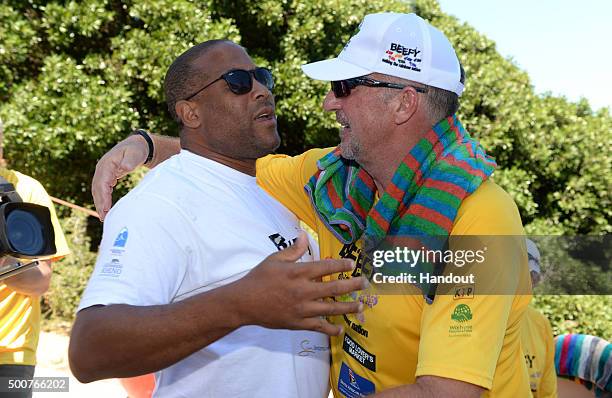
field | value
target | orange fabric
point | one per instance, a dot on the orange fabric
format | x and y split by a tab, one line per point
139	386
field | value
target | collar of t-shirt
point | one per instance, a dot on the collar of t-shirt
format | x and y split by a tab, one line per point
221	170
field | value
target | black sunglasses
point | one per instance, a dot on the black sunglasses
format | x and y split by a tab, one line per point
240	81
342	88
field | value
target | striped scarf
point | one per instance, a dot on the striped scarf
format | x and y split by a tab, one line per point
422	200
587	358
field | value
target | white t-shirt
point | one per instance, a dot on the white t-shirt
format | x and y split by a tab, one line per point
190	226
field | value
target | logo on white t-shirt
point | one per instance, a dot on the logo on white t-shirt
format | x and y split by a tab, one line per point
121	238
282	243
308	348
120	242
113	268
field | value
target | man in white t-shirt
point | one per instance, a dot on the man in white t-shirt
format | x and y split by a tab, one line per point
197	278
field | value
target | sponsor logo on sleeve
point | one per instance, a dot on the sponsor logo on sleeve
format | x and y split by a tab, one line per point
461	325
121	238
113	268
120	242
352	385
465	292
462	313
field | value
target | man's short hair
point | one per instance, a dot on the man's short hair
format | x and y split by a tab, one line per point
443	103
440	103
183	77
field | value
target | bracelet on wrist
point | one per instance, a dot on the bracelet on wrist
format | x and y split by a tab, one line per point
145	134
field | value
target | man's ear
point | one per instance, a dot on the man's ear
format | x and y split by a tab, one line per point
406	106
188	113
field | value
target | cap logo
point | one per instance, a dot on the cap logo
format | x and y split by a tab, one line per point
403	57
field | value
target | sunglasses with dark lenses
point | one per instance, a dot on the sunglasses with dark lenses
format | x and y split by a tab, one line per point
240	81
342	88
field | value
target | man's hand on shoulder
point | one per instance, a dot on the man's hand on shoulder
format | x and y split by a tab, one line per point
123	158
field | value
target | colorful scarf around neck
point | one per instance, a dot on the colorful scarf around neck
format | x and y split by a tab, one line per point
424	195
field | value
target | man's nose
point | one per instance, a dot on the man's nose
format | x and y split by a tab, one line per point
331	103
259	90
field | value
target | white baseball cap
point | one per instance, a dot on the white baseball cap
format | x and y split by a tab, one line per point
400	45
534	256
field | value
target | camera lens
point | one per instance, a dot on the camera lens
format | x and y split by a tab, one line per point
24	233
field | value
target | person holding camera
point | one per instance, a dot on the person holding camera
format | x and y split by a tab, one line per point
20	293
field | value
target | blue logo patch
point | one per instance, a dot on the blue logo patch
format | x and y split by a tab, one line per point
352	385
121	238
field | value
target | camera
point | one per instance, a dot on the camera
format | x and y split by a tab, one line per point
26	231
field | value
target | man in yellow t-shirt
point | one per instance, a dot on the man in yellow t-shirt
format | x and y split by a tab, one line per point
402	337
20	294
537	339
462	344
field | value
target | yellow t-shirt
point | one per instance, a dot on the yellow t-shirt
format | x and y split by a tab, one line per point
539	349
20	314
402	337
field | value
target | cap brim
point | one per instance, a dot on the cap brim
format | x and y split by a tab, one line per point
333	69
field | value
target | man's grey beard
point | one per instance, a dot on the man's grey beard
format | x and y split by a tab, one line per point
350	150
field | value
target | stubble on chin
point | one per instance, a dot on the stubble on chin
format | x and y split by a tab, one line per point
349	150
263	143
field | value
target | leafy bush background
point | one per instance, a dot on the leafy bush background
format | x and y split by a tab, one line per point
77	76
577	314
71	274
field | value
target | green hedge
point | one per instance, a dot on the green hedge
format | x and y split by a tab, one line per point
77	76
577	314
70	275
